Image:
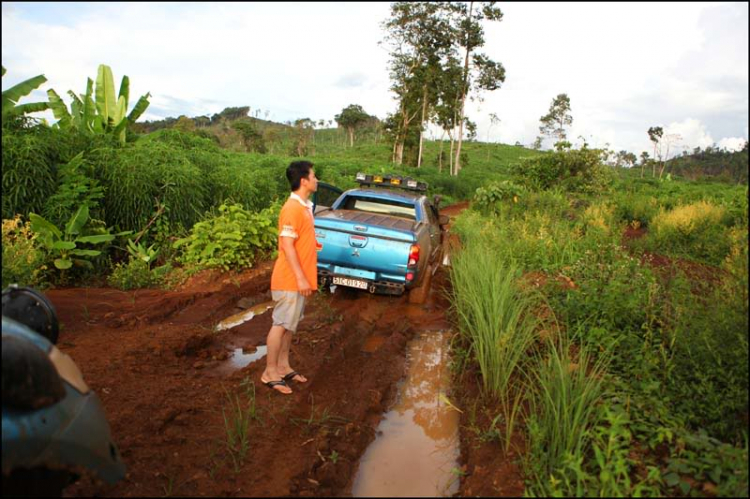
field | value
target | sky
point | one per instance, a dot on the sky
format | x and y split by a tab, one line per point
625	66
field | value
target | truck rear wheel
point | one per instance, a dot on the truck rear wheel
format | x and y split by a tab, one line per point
419	294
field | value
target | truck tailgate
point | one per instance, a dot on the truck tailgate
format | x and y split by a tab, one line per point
364	245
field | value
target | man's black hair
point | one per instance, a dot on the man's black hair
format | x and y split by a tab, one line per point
296	171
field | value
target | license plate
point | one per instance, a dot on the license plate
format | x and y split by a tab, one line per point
352	283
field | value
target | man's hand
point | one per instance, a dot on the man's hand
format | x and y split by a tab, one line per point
304	287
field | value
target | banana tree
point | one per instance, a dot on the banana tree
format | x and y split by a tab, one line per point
11	108
97	111
64	244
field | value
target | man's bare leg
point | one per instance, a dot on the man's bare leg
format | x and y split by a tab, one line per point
283	364
274	343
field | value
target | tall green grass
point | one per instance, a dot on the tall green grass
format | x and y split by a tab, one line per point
565	388
495	317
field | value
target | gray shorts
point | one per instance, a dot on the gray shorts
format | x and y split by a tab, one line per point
289	309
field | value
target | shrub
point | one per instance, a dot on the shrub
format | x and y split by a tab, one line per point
28	173
137	175
136	274
575	171
636	208
488	198
75	188
232	240
23	259
694	231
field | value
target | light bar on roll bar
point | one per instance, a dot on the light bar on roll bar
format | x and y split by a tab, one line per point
388	180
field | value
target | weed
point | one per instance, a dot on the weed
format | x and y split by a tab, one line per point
237	420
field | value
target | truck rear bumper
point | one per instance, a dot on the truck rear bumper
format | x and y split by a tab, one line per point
384	286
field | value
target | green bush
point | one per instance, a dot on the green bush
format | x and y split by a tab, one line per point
75	188
694	231
578	170
136	274
489	198
636	208
709	376
29	173
23	259
232	240
138	175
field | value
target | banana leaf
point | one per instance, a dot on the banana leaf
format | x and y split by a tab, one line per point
59	109
14	93
77	221
63	263
105	94
95	239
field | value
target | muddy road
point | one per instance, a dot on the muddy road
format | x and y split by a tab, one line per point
170	383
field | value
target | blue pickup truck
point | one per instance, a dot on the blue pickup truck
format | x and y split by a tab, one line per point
384	237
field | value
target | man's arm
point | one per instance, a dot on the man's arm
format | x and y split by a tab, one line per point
287	245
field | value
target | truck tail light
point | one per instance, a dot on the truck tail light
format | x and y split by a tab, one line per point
410	276
413	255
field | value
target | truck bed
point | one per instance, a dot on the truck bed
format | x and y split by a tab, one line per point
361	217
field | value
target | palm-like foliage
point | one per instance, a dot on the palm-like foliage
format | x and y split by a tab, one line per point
11	108
97	111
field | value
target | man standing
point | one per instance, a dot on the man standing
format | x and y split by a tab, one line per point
294	275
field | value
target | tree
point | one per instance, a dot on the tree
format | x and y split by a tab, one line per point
185	124
655	134
486	73
669	140
644	161
494	120
625	158
303	131
11	108
419	34
351	118
558	117
97	111
251	138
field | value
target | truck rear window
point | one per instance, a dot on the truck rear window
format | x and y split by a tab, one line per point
380	206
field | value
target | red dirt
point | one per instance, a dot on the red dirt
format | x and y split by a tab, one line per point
163	376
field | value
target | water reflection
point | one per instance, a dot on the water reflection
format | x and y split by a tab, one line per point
239	359
417	444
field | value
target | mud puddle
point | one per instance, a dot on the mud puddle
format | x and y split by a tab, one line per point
417	446
244	316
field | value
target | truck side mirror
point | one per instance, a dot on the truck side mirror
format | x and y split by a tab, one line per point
444	220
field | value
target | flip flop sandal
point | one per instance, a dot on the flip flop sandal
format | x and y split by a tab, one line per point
272	384
290	376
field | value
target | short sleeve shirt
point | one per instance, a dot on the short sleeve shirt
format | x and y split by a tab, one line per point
296	222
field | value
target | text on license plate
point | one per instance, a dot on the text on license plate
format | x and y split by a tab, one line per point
352	283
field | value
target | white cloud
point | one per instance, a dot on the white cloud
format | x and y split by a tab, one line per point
691	133
732	143
625	66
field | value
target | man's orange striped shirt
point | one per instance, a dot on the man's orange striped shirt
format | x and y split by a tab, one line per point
296	221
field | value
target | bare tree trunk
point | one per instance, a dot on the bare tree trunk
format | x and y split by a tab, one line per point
464	91
450	134
351	137
664	161
440	156
421	124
